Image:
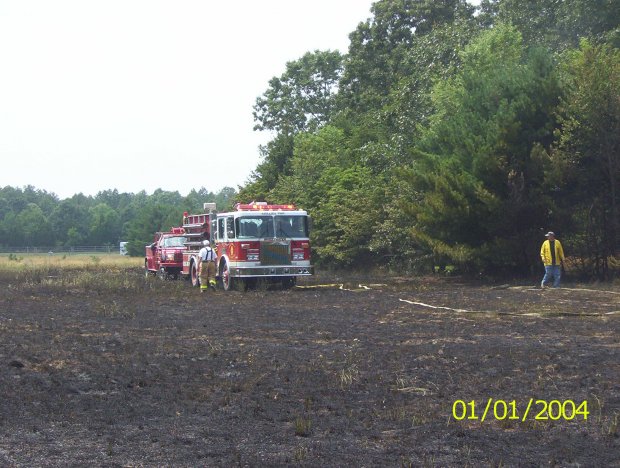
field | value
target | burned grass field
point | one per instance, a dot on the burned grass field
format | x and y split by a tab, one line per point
100	366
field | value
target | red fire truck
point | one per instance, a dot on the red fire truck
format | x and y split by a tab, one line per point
253	241
164	257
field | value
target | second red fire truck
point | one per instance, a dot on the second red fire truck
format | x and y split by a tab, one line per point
164	257
253	241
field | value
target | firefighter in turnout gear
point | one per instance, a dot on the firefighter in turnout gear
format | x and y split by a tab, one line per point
206	266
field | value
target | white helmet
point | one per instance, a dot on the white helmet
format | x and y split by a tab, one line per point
206	243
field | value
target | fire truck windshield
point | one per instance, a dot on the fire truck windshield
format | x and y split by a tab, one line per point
178	241
293	226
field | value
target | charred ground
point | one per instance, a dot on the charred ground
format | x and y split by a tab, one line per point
136	372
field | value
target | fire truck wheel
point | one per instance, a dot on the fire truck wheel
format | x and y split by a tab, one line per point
289	282
194	275
162	274
228	282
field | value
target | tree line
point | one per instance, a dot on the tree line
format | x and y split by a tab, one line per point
34	217
454	135
448	136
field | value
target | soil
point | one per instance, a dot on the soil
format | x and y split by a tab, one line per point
156	374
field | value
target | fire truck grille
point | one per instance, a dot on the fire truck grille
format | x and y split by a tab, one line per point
274	254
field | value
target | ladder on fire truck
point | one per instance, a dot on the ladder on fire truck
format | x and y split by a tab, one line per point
197	227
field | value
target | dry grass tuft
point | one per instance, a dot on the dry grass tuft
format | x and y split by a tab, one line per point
67	273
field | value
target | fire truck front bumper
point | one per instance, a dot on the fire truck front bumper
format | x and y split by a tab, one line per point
257	271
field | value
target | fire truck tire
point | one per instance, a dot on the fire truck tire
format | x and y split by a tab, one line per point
228	283
194	275
162	274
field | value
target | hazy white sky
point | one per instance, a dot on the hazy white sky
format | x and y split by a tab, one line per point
146	94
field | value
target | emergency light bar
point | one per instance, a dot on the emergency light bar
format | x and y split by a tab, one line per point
263	206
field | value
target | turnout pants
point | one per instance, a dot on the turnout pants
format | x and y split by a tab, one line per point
207	275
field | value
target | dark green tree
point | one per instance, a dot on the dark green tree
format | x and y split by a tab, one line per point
561	24
275	163
226	198
483	200
339	193
150	219
105	227
11	234
70	221
300	100
379	48
587	152
33	227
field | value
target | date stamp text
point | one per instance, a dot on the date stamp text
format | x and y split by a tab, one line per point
512	410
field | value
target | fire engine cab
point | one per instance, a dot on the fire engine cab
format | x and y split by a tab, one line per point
253	241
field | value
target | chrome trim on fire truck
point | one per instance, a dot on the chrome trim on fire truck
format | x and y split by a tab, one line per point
288	270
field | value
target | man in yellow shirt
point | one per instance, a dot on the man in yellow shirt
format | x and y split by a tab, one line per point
552	256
